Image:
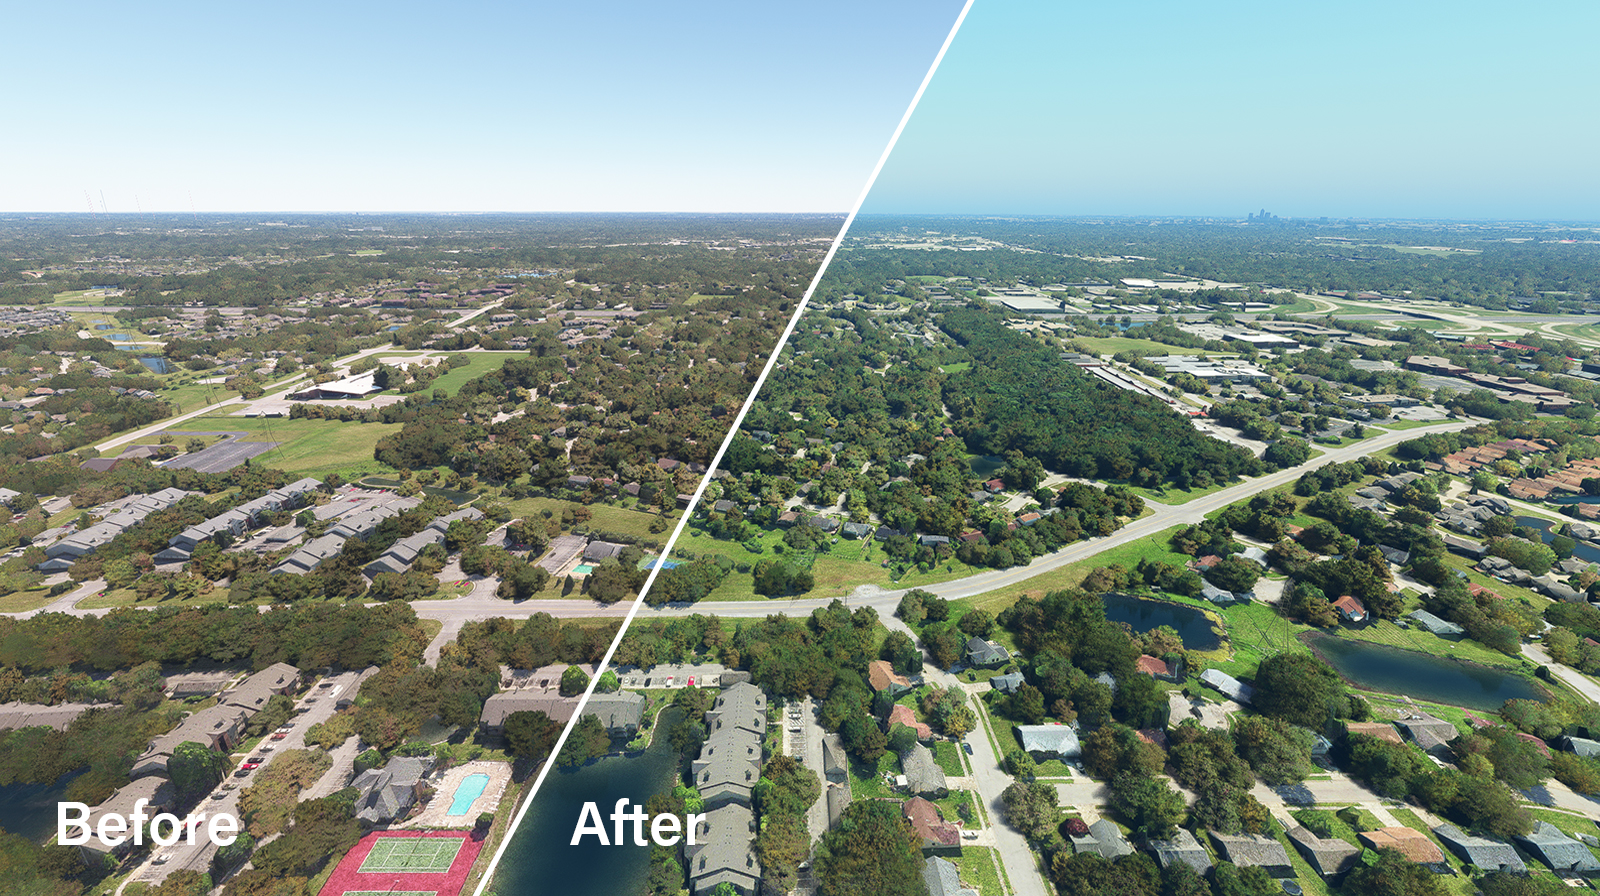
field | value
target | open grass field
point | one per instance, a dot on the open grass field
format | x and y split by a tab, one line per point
1110	345
306	447
87	297
1154	547
430	855
602	516
1177	496
125	597
837	571
976	867
25	600
478	364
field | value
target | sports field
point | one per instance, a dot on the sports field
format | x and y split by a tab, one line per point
418	855
405	863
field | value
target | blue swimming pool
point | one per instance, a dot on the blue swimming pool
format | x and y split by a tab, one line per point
470	788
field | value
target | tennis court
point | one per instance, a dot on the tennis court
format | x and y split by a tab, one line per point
411	855
391	893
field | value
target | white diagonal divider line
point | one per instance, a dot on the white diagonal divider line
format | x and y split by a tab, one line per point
716	460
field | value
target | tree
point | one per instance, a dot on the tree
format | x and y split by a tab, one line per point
871	850
588	740
1033	809
1299	689
1392	874
195	769
1020	765
530	734
574	681
1150	806
609	683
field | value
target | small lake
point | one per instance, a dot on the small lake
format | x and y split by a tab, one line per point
1574	499
157	365
29	810
1143	614
539	860
1435	679
986	465
1583	551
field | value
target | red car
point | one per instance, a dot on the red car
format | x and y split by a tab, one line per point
280	735
250	766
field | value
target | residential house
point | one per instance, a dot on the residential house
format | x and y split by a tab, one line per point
1411	843
1231	687
1350	609
937	836
1327	856
620	713
941	878
1258	850
1431	623
901	714
882	677
1560	852
157	795
1183	847
1007	683
1050	741
985	654
923	775
1482	852
1105	839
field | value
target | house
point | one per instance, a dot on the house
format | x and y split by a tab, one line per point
1105	839
1007	683
724	852
387	794
941	878
1258	850
1231	687
901	714
596	551
882	677
311	555
1350	609
1183	847
1380	730
856	530
1050	741
1437	626
1560	852
1483	852
1409	842
938	837
1327	856
985	654
1427	732
1582	746
923	775
1160	669
38	715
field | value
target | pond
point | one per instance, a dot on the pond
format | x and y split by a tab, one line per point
1583	551
540	861
29	810
986	465
157	365
1143	614
1435	679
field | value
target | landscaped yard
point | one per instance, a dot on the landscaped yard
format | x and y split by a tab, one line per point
603	517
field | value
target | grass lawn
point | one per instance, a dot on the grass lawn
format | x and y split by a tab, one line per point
948	755
125	597
603	517
1386	632
1110	345
27	599
976	866
1398	425
306	447
1155	547
836	571
866	782
478	364
950	805
1458	562
957	368
1177	496
1255	632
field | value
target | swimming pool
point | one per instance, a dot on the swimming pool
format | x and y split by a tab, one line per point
470	788
583	569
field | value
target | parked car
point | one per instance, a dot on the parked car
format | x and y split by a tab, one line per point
280	735
251	765
163	858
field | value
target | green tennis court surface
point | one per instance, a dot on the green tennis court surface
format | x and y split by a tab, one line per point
411	855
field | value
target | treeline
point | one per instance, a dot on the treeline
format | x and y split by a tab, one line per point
307	636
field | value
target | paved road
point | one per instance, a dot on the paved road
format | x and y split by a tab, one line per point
1569	676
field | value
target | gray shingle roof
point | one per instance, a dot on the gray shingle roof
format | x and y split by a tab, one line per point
1327	856
1246	850
923	774
723	850
1490	855
1557	850
1182	848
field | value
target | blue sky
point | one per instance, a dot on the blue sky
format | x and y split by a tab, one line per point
1458	109
503	106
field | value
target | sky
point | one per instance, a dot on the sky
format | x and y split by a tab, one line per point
610	105
1421	109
